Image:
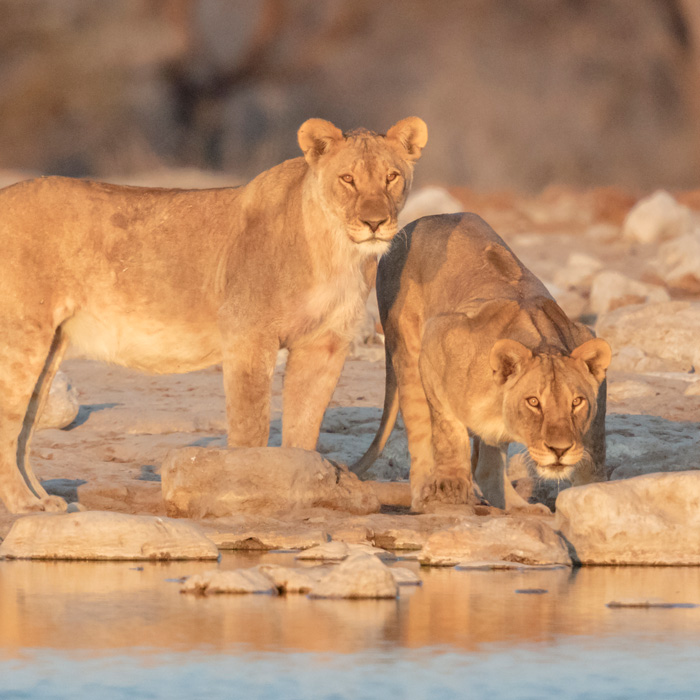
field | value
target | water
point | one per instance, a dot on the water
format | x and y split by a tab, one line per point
122	630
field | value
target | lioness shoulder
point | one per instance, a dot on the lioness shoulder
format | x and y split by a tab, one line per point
476	346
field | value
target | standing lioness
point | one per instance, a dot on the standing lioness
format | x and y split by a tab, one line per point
176	280
476	345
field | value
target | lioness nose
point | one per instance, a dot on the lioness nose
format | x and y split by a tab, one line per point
559	451
374	224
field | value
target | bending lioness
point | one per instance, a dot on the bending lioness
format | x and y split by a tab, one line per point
176	280
476	345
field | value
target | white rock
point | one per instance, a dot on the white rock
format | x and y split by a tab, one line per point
426	202
199	482
667	333
215	581
500	565
294	580
61	406
578	271
105	535
359	576
611	290
677	262
337	551
656	218
628	389
404	576
652	519
523	540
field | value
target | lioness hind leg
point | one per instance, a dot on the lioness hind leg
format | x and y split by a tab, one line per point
27	368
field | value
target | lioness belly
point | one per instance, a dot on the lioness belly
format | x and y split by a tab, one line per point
151	345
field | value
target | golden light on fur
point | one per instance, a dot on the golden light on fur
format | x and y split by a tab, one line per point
176	280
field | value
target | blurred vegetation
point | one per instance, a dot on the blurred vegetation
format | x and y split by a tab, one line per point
516	93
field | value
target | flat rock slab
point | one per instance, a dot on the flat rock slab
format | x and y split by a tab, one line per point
515	539
105	535
238	581
652	519
202	482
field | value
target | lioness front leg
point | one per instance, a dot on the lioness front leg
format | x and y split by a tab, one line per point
248	365
312	372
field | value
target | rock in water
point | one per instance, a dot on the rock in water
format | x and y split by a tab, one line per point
652	519
517	539
359	576
199	482
105	535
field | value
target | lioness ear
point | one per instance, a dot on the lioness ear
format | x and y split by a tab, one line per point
315	137
507	358
411	134
596	353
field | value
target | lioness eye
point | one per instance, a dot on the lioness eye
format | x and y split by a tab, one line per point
577	401
391	177
533	402
348	178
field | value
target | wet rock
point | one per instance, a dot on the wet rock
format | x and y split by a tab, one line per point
638	444
500	565
652	519
656	218
215	582
338	551
62	404
290	580
610	290
359	576
666	336
199	482
518	539
426	202
405	577
102	535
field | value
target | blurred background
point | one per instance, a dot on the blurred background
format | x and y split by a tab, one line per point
517	94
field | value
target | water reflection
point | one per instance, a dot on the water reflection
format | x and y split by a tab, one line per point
111	607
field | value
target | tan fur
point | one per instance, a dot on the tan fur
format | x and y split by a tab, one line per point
475	345
175	280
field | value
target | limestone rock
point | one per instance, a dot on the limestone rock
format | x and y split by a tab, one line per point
359	576
578	271
338	551
523	540
628	389
290	580
199	482
238	581
652	519
668	334
656	218
103	535
61	406
500	565
611	290
404	576
677	262
426	202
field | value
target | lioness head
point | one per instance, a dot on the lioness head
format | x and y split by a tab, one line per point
550	400
363	177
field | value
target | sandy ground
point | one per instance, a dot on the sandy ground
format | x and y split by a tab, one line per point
128	420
